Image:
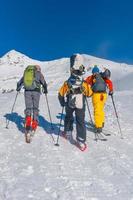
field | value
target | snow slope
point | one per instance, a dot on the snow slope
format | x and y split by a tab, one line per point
42	171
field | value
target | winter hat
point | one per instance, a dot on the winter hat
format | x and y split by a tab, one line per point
38	67
95	69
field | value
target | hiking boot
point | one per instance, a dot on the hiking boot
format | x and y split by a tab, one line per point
34	125
28	122
63	134
98	130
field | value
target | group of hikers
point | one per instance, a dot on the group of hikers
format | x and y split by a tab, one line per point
72	96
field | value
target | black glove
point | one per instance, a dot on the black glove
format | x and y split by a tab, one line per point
45	91
18	88
111	93
62	101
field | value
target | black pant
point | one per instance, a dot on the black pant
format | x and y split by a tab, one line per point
80	122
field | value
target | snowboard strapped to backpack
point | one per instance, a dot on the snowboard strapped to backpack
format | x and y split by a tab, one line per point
99	84
75	96
29	77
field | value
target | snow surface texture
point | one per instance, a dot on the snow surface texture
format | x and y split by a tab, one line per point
43	171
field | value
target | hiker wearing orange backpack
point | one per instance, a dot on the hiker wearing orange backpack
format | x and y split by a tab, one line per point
99	82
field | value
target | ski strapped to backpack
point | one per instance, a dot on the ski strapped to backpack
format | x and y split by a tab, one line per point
29	77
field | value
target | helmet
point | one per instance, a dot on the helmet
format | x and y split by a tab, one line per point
95	69
106	73
78	72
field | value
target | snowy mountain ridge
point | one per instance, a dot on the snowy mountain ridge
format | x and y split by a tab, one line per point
13	63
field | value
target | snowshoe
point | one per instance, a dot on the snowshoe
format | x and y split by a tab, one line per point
68	136
63	134
82	146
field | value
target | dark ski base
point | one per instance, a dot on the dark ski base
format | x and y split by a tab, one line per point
99	137
29	135
106	134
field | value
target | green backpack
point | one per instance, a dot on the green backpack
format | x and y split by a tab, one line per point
29	77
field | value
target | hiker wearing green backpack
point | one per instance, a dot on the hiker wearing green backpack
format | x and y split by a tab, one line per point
32	80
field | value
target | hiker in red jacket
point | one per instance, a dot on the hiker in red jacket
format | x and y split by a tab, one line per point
99	83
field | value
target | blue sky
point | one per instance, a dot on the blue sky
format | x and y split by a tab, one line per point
52	29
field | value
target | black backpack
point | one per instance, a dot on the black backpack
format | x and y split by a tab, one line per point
106	74
99	84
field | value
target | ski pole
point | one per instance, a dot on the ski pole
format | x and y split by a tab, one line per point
117	116
7	121
57	143
49	112
50	117
89	110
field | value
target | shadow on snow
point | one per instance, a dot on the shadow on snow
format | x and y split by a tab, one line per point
43	123
46	125
15	118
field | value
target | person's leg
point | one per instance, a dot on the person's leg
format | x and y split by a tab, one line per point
80	125
68	122
102	104
81	128
98	101
28	109
36	99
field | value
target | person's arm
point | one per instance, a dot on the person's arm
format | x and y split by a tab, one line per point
62	92
43	83
109	85
87	91
89	80
20	84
